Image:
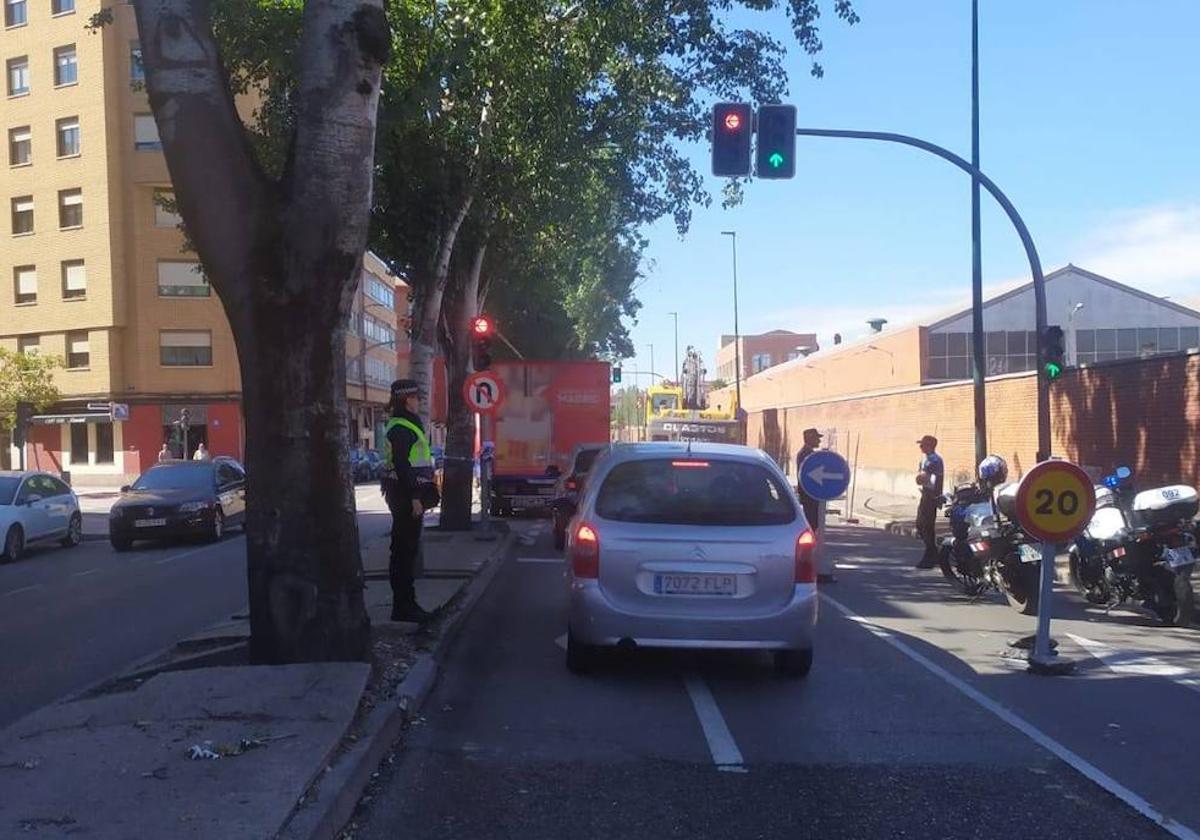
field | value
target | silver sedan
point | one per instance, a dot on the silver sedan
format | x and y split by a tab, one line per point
36	507
700	546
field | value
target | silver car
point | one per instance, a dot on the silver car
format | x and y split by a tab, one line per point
36	507
691	546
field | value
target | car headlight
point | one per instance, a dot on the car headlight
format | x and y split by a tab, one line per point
194	507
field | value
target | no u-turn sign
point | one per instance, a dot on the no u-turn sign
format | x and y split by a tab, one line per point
483	392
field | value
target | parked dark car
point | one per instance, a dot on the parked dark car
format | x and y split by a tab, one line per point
570	488
177	499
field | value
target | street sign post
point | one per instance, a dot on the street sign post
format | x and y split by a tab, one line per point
1055	502
824	475
483	392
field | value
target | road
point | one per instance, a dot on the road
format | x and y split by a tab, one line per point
69	618
915	722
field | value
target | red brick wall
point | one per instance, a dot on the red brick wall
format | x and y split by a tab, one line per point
1143	413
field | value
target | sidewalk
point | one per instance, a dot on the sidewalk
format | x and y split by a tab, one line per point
196	743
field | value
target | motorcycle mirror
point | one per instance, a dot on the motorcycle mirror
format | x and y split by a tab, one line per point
1124	473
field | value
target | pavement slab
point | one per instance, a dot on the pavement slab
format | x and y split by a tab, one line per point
117	766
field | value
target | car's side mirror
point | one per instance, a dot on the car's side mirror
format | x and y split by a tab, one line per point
125	488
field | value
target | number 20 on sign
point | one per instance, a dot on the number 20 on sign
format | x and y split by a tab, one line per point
1055	501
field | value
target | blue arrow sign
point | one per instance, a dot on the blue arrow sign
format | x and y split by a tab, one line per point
824	475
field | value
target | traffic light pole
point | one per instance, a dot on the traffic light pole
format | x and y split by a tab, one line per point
1035	263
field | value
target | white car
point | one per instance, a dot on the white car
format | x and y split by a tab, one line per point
36	507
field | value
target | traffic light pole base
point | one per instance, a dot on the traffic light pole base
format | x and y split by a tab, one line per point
1050	666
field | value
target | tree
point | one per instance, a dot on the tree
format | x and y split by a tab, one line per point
281	241
25	377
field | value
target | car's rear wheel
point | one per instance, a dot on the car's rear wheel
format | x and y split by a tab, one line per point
14	545
120	543
217	529
794	663
581	658
74	532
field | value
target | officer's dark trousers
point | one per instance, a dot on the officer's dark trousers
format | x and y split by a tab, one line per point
811	507
926	523
406	541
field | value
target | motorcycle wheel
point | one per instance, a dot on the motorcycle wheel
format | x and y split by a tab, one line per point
1174	600
1095	593
946	562
1021	589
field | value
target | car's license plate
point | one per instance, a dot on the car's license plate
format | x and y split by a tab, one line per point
1177	557
149	523
695	585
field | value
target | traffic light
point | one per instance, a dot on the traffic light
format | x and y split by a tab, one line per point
731	131
23	419
1055	352
776	147
616	373
482	330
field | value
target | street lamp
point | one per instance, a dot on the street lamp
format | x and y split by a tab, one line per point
1072	347
737	338
678	375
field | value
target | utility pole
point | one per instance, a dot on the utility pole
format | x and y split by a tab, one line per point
678	375
652	368
978	358
737	337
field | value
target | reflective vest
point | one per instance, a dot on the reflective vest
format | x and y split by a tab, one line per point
420	455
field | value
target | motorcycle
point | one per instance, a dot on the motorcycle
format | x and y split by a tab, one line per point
986	549
1139	546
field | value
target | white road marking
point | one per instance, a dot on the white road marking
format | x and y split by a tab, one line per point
724	749
1138	664
848	566
1086	768
557	561
85	573
23	589
184	554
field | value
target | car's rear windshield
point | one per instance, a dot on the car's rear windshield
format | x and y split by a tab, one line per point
176	477
8	489
584	460
694	491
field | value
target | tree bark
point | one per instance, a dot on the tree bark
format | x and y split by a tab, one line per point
284	258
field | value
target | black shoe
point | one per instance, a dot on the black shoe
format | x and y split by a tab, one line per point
927	563
412	614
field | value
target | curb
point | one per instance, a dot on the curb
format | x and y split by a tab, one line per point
348	777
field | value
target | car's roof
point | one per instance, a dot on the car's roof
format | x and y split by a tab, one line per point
675	449
25	474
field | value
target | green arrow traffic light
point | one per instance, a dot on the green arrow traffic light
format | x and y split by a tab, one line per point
776	160
1053	371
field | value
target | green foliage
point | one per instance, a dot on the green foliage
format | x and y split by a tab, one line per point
25	377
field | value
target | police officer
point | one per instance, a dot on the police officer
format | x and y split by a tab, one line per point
930	477
812	441
406	484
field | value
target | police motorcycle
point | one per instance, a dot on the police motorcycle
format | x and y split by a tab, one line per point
1139	546
986	549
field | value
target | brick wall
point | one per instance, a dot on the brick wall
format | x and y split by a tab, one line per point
1143	413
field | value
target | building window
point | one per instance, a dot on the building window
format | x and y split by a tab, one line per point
379	292
137	71
18	76
1093	346
62	7
165	215
354	369
27	344
104	443
79	443
25	283
380	372
68	136
78	354
22	215
181	279
145	133
15	13
20	146
66	66
760	362
178	348
1005	352
74	280
70	208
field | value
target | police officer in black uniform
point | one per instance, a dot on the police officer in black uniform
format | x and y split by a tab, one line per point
407	486
812	441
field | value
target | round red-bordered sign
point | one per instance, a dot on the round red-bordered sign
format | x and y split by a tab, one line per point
483	391
1055	501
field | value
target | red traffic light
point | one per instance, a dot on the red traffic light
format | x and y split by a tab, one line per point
481	325
733	121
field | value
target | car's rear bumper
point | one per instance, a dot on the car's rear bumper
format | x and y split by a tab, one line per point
594	620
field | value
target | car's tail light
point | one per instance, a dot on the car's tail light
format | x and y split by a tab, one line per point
806	546
585	552
981	547
690	465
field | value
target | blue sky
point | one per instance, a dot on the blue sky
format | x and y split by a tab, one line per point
1089	122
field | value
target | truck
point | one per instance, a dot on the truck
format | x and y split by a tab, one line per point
547	410
680	412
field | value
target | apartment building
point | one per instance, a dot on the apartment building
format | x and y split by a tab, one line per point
94	268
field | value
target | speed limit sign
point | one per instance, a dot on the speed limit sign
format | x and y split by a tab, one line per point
1055	501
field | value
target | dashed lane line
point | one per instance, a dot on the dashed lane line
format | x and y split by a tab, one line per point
1080	764
22	589
724	749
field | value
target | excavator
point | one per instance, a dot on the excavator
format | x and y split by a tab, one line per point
680	411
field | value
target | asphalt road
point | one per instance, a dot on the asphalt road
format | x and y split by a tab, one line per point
70	618
914	723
